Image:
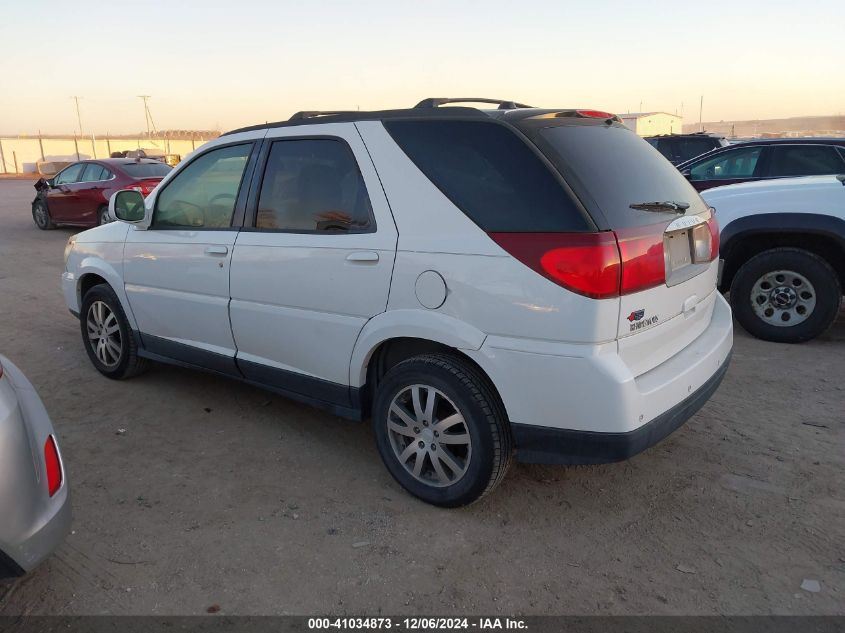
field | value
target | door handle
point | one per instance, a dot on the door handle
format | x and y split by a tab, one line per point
362	256
216	250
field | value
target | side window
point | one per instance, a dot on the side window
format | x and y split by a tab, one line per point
92	173
692	147
736	163
107	175
203	194
490	174
313	185
70	175
804	160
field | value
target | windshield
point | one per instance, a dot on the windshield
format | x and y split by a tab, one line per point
147	170
611	168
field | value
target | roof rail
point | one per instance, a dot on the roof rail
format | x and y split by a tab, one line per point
433	102
310	114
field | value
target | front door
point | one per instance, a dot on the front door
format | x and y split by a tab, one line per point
62	197
313	263
177	272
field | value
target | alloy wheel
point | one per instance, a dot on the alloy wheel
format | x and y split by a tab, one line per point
104	334
429	435
41	215
783	298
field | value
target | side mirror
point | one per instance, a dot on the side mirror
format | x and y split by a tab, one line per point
51	183
128	206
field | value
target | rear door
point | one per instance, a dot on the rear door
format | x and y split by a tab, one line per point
176	273
313	262
90	193
63	197
804	160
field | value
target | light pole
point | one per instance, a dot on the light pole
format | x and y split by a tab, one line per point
78	116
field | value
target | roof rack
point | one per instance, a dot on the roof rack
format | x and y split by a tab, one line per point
310	114
433	102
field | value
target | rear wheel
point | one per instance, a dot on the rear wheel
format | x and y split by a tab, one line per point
103	216
441	430
41	216
787	295
106	334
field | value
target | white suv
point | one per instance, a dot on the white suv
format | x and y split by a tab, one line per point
482	284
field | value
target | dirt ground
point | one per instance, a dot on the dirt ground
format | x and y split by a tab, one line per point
219	493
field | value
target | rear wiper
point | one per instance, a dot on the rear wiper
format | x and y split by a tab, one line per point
666	205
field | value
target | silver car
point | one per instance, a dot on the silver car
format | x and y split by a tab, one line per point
34	499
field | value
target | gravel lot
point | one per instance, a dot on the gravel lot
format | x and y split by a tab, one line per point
218	493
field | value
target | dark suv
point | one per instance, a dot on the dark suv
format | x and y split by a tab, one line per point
678	148
765	159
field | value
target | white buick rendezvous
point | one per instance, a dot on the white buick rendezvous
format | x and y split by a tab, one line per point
526	283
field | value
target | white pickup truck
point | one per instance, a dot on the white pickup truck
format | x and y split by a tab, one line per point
783	254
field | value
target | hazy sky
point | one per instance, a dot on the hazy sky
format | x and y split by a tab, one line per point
216	64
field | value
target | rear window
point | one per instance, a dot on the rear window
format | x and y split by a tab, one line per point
491	174
692	147
147	170
611	168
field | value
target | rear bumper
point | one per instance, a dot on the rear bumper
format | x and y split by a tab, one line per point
546	445
585	404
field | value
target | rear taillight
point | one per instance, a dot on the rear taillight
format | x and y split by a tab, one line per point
596	265
586	263
643	264
713	225
144	187
705	240
53	465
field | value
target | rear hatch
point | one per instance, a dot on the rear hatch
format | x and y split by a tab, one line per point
666	235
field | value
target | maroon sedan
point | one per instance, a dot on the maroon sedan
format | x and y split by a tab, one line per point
79	194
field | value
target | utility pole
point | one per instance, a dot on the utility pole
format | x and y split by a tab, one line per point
148	116
78	117
700	112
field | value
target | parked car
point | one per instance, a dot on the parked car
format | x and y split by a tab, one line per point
783	252
678	148
34	499
79	194
478	283
765	159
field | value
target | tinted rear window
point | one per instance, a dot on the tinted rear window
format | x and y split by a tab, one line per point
146	170
489	173
692	147
611	168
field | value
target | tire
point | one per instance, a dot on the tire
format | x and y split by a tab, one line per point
120	359
786	280
103	216
455	384
41	216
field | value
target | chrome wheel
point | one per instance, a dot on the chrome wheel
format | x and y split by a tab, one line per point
104	217
429	436
104	334
783	298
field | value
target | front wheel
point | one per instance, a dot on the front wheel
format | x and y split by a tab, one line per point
106	334
441	430
41	216
786	295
